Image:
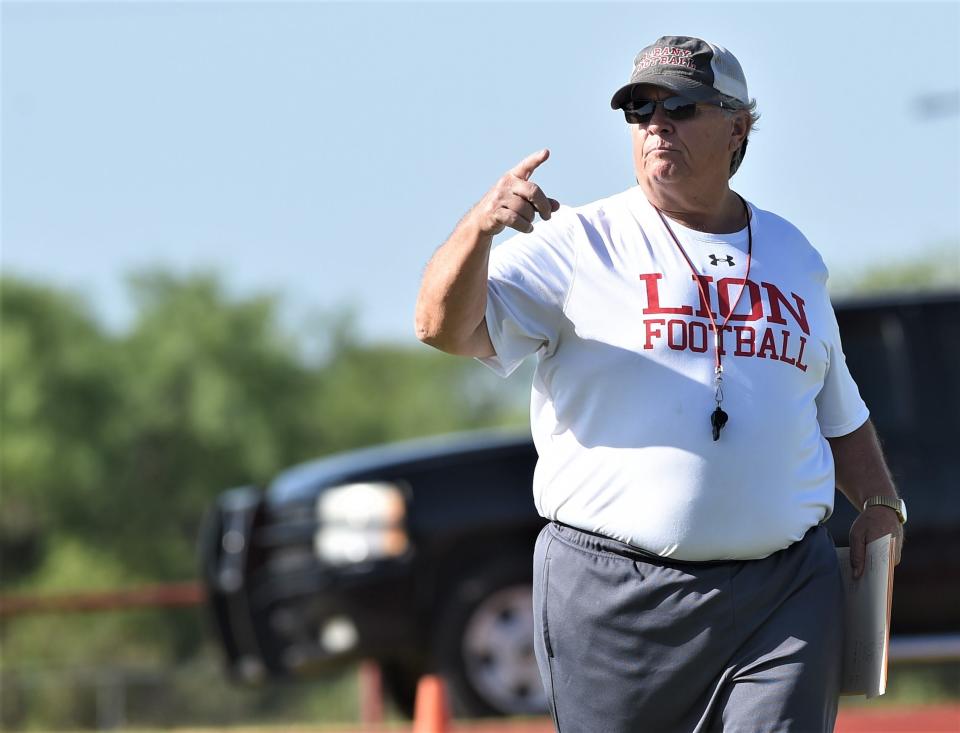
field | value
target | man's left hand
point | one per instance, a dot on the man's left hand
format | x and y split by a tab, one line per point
861	472
873	522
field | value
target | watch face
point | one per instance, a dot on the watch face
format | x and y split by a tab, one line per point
902	511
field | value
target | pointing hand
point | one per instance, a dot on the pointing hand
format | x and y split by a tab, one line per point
514	201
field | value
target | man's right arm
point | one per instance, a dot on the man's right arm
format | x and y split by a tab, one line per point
452	302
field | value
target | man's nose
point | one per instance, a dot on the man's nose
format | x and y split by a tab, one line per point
659	122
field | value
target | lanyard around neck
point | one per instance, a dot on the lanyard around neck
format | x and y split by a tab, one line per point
718	418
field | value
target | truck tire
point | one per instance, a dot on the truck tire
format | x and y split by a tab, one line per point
484	644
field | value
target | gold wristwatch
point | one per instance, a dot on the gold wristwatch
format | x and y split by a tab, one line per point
891	503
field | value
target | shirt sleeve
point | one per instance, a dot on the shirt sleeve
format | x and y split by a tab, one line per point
840	409
529	278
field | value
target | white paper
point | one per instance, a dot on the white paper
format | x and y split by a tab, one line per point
866	612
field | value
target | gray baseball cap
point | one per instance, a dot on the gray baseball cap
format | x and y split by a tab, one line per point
689	66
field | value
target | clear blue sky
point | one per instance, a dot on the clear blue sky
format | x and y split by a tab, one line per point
323	151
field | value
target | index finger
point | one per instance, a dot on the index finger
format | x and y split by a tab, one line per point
525	168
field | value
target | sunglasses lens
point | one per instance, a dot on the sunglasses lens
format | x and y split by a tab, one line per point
679	108
639	113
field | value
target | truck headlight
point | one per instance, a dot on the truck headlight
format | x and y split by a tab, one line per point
361	521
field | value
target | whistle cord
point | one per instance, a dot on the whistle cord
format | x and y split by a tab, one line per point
718	418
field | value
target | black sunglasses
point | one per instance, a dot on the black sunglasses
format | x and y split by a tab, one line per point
640	111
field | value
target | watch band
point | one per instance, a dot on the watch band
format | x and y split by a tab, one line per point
891	503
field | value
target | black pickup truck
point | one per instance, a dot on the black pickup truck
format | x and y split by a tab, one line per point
418	555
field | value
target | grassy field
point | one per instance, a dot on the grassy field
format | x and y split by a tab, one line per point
331	706
889	719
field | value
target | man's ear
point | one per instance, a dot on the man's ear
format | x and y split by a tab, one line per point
739	130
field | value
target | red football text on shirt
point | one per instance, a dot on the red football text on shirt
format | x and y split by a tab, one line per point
756	340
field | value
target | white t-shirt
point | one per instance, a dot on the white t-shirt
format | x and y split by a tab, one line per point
624	385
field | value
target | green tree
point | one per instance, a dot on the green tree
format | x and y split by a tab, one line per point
935	270
57	399
114	445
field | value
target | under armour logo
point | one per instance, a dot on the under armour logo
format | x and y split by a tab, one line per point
715	261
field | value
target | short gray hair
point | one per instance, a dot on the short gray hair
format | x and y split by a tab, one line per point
735	105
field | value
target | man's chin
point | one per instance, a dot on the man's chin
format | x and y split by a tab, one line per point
663	172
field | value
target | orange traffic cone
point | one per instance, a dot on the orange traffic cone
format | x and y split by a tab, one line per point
430	711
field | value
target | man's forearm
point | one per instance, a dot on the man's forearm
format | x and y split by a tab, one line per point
861	470
453	294
861	473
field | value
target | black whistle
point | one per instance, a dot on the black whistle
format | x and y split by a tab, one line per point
718	418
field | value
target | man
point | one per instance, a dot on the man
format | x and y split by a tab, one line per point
692	411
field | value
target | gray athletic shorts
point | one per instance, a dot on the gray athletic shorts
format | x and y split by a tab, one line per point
628	642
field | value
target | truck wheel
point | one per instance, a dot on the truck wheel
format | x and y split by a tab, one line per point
484	646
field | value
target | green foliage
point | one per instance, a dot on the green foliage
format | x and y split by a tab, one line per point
114	445
916	683
55	394
936	269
